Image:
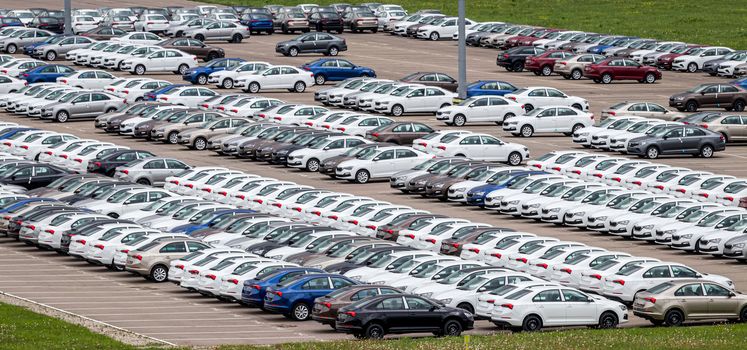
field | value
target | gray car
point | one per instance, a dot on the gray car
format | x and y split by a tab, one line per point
22	38
83	104
151	171
197	138
178	29
325	43
219	30
678	140
50	52
168	131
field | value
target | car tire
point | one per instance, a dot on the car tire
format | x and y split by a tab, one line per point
173	138
743	315
514	158
11	48
333	51
434	36
507	116
301	312
532	323
527	131
227	83
159	273
608	320
320	79
674	318
575	128
293	52
606	78
706	151
692	67
211	56
199	37
62	116
577	106
179	34
51	55
237	38
312	165
374	331
299	87
652	152
362	176
466	306
254	87
691	106
139	69
200	144
517	66
576	74
398	110
650	78
528	107
460	120
202	79
452	328
738	106
546	70
143	181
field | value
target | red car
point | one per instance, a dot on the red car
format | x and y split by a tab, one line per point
621	69
514	40
529	40
665	61
543	63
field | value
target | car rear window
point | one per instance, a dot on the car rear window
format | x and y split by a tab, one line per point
660	288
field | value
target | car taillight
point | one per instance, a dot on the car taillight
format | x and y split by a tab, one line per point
431	241
333	217
79	160
729	198
474	250
234	281
125	251
354	222
180	267
455	245
566	270
620	282
25	147
705	195
497	255
680	190
512	98
341	129
375	134
371	227
194	272
505	55
317	213
207	189
659	187
81	241
64	81
257	287
189	185
705	126
223	193
125	91
125	171
258	201
577	172
350	313
175	182
524	260
597	276
650	299
441	148
241	196
50	231
98	164
556	168
31	227
234	110
508	306
638	183
101	246
280	294
278	205
616	179
138	257
410	236
212	277
298	209
542	265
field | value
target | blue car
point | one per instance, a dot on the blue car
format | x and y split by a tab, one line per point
10	22
295	297
211	220
740	82
12	131
258	22
609	42
254	290
503	179
336	69
28	50
199	75
46	74
490	87
152	95
22	202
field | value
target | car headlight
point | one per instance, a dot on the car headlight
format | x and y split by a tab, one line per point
479	193
513	202
669	232
623	308
347	168
679	98
536	205
648	227
554	210
445	301
738	245
715	240
602	218
579	213
357	278
624	222
377	282
257	251
441	185
401	178
420	183
730	283
688	236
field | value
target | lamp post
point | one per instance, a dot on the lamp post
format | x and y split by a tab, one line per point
462	52
68	17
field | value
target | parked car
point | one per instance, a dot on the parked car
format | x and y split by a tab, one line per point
82	104
276	77
490	87
221	30
621	69
574	67
103	33
359	21
678	140
641	109
695	60
316	42
295	297
533	97
225	78
514	59
47	73
166	60
415	100
544	63
150	171
52	51
727	96
194	47
732	127
566	120
290	22
326	21
382	163
20	39
152	259
258	22
33	175
334	69
480	109
199	74
441	80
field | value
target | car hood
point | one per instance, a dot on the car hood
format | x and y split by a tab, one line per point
287	42
199	70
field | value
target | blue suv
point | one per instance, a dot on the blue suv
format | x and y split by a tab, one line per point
294	298
199	75
476	195
336	69
254	290
490	87
46	73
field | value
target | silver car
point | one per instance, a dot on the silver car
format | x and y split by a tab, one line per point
50	52
83	104
22	38
178	29
222	30
168	132
150	171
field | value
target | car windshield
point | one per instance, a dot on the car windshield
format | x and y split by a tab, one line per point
426	270
500	178
739	226
644	206
598	198
554	190
473	283
119	197
520	184
667	211
691	215
535	187
628	270
622	202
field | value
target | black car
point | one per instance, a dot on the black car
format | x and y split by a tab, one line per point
33	175
324	43
514	58
374	317
326	21
285	238
678	140
111	161
52	24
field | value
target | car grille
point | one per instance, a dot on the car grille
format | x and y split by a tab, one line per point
545	211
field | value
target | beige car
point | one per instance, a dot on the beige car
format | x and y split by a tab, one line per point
641	109
672	303
197	138
733	127
152	260
168	130
573	68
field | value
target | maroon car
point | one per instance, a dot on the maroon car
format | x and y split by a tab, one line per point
400	133
193	47
665	61
390	231
543	63
432	79
621	69
103	33
529	40
516	40
454	245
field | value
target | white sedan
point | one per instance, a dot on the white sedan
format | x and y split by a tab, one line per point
87	79
10	85
311	158
187	96
277	77
167	60
566	120
143	38
419	99
538	96
136	92
380	164
480	109
225	78
481	147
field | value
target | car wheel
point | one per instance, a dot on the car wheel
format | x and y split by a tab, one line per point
466	306
514	158
143	181
159	273
706	151
606	78
200	144
301	312
200	37
11	49
691	106
333	51
674	318
517	66
227	83
452	328
293	52
320	79
435	36
119	66
362	176
576	74
202	79
179	34
398	110
62	116
546	70
527	131
575	128
652	152
51	55
460	120
312	165
374	331
577	106
528	107
508	116
608	320
236	39
140	69
531	324
738	106
211	56
254	87
299	86
173	137
692	67
650	78
743	315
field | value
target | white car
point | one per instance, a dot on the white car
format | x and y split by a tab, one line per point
187	96
481	147
480	109
626	283
16	67
136	92
152	22
311	158
114	60
83	24
695	59
660	47
248	106
380	164
536	308
30	150
714	242
167	60
538	96
276	77
442	28
413	100
688	238
426	142
585	136
358	125
550	119
9	85
727	68
87	79
225	78
142	38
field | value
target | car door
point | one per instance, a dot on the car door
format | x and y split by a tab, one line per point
314	287
551	307
271	78
81	106
692	139
721	301
580	309
383	164
394	312
493	149
634	69
671	142
416	100
691	298
709	96
726	95
434	98
545	120
480	110
471	147
566	119
422	313
345	69
99	103
740	131
446	82
308	43
173	250
157	170
656	111
289	76
322	42
156	61
655	275
175	167
43	175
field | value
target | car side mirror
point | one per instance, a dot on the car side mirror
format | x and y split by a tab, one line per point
376	159
665	137
13	178
433	308
732	294
697	275
702	92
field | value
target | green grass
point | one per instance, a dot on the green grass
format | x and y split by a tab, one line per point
21	329
718	22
